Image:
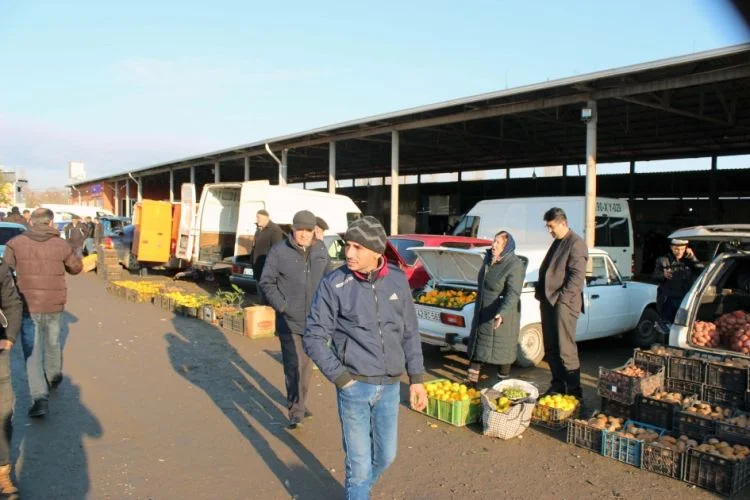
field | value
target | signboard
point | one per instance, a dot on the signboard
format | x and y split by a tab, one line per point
76	171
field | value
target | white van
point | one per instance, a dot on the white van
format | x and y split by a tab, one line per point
64	213
522	217
223	225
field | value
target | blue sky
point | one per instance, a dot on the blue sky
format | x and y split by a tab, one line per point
122	85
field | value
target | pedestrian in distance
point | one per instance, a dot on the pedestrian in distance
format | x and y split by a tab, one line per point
497	316
88	244
675	273
11	310
559	291
76	233
361	331
40	259
266	236
292	272
15	216
27	217
320	228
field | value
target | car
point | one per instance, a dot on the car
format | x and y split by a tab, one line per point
723	288
9	230
612	305
398	252
242	268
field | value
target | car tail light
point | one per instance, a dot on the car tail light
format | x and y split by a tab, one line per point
452	319
172	246
236	269
108	244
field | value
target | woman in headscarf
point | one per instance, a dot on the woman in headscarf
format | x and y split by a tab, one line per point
496	324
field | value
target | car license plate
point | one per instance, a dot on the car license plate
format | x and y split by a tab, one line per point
247	271
428	314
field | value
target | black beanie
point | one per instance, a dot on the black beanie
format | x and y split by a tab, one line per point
368	232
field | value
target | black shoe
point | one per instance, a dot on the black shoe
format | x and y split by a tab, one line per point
38	409
55	382
573	384
295	425
555	388
308	414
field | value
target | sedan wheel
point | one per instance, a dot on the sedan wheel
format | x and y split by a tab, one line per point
645	334
530	346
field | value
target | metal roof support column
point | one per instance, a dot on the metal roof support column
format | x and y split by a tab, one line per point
283	167
507	183
332	167
140	189
631	181
192	174
394	181
127	197
117	198
171	185
713	200
247	168
217	172
564	179
591	175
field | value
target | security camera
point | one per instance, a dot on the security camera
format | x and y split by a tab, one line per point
586	114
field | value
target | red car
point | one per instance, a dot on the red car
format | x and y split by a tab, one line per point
396	251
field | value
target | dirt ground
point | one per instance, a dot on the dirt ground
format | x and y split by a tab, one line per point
158	406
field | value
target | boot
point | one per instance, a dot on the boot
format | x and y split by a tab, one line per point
38	409
7	487
573	384
557	387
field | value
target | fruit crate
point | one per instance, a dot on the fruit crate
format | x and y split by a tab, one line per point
733	433
164	303
584	435
456	413
729	378
616	409
190	312
651	362
625	389
721	397
684	387
661	460
689	370
726	477
234	323
623	449
553	418
693	425
656	412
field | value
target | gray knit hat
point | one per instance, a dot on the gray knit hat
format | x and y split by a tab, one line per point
368	232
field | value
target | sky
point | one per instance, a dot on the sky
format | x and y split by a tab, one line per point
123	85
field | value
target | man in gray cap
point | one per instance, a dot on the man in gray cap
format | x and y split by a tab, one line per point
266	236
675	273
293	269
321	226
361	331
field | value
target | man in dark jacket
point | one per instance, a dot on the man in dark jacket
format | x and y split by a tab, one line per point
559	291
321	226
15	216
675	273
76	233
10	304
266	236
293	270
41	258
361	331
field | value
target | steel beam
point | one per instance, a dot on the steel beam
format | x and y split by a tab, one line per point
332	167
283	167
171	186
394	181
590	230
217	172
247	167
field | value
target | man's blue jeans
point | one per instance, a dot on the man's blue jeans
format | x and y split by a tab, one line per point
40	339
369	424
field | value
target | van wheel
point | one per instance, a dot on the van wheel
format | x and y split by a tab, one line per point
645	334
530	346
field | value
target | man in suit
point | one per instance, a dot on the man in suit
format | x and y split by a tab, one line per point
559	291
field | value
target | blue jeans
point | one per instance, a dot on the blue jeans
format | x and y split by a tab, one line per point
40	339
369	425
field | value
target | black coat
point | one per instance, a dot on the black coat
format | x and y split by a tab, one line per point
264	239
684	272
290	278
499	293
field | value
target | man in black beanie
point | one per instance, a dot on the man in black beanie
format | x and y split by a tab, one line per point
361	331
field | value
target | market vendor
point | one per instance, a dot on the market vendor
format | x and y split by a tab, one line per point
675	273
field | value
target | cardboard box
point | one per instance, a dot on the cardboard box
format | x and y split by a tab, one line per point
260	321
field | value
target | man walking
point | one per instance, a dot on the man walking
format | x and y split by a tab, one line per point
266	236
27	216
361	331
41	259
10	320
89	245
15	216
293	270
675	273
559	291
76	233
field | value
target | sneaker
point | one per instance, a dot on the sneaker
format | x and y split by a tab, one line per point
294	425
55	382
38	409
308	414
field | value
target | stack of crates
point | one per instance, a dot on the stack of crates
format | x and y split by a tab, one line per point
108	266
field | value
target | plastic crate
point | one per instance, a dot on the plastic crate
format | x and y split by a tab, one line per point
234	323
664	461
690	370
684	387
456	413
713	473
721	397
553	418
616	409
584	435
656	412
693	425
729	378
650	361
733	433
625	389
627	450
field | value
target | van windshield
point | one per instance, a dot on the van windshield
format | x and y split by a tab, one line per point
468	226
612	232
352	216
